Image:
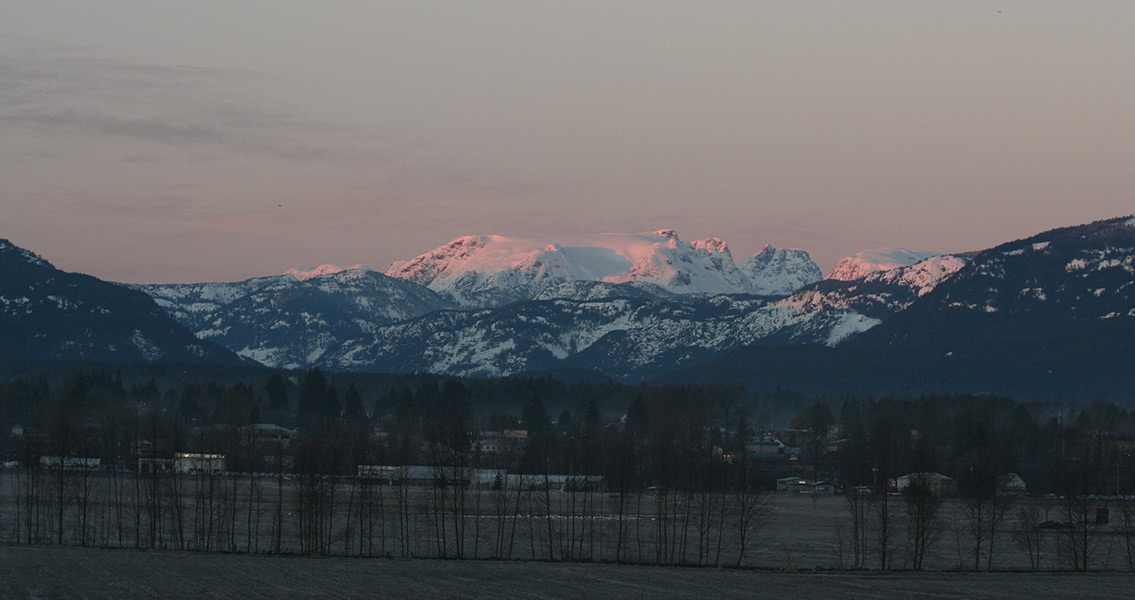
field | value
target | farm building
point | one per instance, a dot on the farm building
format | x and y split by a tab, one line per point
800	485
766	448
936	482
1011	484
194	462
420	475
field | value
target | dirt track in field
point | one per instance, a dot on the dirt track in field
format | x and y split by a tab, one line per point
61	572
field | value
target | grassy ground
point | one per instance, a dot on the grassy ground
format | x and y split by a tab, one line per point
63	572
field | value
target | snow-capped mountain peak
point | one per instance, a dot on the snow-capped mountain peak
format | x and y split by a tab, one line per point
305	274
711	245
491	270
780	271
866	262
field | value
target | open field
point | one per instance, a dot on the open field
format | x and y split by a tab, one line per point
235	514
58	572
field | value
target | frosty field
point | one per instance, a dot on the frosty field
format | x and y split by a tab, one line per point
61	572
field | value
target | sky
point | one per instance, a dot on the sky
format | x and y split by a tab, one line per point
158	142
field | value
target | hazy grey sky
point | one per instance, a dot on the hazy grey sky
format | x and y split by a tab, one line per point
191	141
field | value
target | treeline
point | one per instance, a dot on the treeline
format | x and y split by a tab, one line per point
404	420
650	489
601	471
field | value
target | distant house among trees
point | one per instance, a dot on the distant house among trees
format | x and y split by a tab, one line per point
800	485
935	482
1011	484
502	442
767	448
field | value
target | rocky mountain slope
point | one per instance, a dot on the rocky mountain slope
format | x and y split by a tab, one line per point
1050	316
292	320
52	315
779	272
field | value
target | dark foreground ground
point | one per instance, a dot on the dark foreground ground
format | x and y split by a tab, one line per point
60	572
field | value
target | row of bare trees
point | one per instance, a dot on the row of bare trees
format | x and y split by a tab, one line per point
515	517
677	487
904	530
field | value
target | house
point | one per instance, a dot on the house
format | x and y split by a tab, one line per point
502	442
1011	484
935	482
270	444
766	448
800	485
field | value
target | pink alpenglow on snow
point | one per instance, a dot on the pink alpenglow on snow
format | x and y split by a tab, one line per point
472	266
305	274
866	262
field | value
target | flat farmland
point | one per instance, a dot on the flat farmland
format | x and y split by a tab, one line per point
235	516
67	572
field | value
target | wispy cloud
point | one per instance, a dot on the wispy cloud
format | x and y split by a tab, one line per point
51	93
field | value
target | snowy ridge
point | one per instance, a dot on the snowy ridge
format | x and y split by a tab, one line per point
923	276
305	274
777	272
291	322
25	255
1088	271
598	290
878	293
494	270
625	337
866	262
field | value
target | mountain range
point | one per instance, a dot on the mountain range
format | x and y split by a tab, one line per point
1047	316
499	305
